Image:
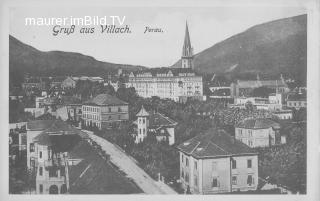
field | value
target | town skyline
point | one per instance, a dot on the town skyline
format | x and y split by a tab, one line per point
137	51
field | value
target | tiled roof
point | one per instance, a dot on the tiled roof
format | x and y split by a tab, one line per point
142	112
155	71
159	120
297	97
260	83
39	124
105	99
214	143
259	123
94	175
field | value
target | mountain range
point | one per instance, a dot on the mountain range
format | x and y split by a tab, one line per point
26	59
272	48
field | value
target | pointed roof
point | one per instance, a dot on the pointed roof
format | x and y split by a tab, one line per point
143	112
215	143
187	49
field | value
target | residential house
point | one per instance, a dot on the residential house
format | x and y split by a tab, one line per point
154	123
216	162
103	110
259	132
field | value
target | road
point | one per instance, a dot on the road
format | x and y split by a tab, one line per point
132	170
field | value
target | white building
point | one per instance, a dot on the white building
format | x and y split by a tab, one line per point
216	162
154	123
173	84
177	84
260	132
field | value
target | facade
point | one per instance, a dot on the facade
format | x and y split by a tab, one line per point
283	114
187	51
259	132
103	110
258	102
154	123
215	162
68	83
167	83
297	101
245	87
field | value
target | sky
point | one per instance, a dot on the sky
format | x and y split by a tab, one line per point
207	26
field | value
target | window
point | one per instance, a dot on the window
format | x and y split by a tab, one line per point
144	131
182	158
144	121
234	163
109	117
41	188
31	147
109	109
62	171
40	171
187	162
32	163
250	143
250	180
250	133
40	154
195	180
195	165
187	177
182	174
140	131
249	163
214	182
234	180
119	117
52	173
119	109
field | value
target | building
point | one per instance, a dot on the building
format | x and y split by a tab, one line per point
258	103
57	82
154	123
175	83
68	83
297	101
216	162
103	110
187	51
284	114
34	82
260	132
246	87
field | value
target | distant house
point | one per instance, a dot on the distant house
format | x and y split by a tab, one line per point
57	81
103	110
68	83
246	87
216	162
154	123
260	132
33	82
297	101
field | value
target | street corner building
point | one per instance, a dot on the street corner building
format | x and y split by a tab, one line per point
216	162
103	110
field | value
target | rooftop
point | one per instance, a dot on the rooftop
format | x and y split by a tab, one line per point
259	123
105	99
39	124
215	143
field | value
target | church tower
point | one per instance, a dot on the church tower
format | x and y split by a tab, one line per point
143	124
187	51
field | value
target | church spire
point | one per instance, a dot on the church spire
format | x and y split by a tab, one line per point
187	50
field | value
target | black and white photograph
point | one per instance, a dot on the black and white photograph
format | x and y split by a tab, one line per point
162	100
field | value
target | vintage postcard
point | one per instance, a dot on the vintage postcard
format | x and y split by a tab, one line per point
175	99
